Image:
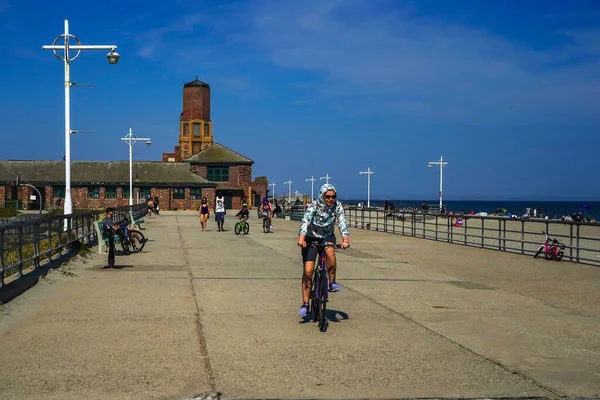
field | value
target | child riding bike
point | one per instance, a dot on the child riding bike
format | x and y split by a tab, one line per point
266	210
244	212
318	224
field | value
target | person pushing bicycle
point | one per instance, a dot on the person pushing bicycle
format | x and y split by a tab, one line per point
318	224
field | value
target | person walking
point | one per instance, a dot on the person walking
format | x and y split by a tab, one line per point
220	211
109	233
204	213
156	202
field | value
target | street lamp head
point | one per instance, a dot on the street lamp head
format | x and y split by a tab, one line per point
429	165
148	142
113	57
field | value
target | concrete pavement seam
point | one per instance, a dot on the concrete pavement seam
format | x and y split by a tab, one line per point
522	376
198	322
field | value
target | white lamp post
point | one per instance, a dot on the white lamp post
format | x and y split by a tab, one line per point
368	172
326	177
441	163
289	183
312	187
131	139
273	184
113	58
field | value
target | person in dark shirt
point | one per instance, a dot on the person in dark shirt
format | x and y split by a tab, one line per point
244	212
109	229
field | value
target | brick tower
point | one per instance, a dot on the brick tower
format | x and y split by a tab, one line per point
195	127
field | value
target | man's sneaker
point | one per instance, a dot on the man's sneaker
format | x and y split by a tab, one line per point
303	310
334	287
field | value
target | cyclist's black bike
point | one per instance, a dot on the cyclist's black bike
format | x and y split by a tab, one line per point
319	292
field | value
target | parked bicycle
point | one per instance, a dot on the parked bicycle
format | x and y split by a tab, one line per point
552	249
132	241
241	226
319	291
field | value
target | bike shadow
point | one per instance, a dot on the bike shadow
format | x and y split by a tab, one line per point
332	316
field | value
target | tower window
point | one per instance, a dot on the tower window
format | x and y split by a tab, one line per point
184	129
196	129
206	132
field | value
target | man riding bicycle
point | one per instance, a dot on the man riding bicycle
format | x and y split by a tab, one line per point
318	224
266	210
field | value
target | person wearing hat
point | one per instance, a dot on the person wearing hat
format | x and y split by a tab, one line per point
109	229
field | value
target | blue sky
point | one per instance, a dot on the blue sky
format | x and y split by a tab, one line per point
506	91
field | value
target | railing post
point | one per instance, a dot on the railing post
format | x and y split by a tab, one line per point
36	245
20	251
571	242
578	225
500	235
466	229
482	232
436	227
522	236
1	258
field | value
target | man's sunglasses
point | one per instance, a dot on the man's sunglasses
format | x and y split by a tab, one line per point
331	197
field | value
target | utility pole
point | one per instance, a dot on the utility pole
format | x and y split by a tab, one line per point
442	164
368	172
312	187
273	184
289	183
326	177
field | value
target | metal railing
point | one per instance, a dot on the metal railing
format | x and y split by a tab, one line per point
522	236
25	246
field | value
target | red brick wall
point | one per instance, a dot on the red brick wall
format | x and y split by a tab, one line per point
196	103
199	169
2	196
166	156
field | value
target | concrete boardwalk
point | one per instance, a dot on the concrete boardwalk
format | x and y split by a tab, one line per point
211	312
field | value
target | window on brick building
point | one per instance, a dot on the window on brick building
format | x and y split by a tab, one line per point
196	193
145	192
94	192
125	192
178	193
185	129
217	174
206	132
110	192
58	191
197	126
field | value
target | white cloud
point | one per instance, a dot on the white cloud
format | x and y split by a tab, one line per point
432	69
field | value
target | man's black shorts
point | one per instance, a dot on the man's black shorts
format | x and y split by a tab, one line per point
310	253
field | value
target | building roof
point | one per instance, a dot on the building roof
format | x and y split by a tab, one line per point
101	172
196	83
218	154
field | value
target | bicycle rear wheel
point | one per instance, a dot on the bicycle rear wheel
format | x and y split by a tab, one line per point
136	241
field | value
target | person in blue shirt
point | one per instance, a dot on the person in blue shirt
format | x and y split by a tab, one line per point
318	224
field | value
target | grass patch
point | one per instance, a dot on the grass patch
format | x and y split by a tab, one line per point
8	213
11	257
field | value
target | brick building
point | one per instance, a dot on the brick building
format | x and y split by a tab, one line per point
198	167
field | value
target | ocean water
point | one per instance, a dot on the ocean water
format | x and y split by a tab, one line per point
550	208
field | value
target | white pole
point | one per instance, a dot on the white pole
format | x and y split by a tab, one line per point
441	184
273	184
130	169
130	139
289	183
312	187
68	207
368	172
442	164
326	177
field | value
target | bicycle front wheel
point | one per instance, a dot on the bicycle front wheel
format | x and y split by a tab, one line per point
323	304
136	241
266	227
237	228
246	228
